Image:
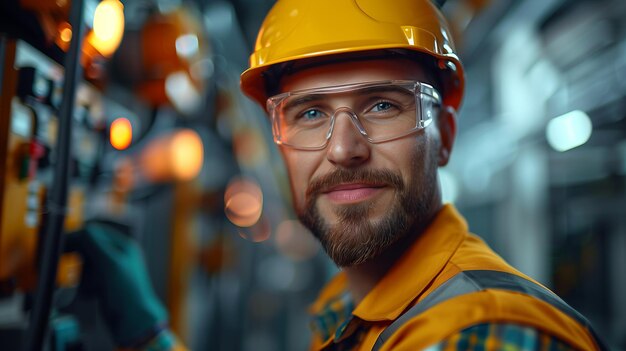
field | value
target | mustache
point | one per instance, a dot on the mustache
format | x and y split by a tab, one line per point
341	176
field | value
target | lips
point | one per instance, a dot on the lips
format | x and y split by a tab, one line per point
350	193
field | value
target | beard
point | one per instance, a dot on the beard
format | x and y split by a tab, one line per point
355	238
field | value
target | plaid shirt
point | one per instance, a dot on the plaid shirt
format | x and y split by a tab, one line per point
333	320
492	336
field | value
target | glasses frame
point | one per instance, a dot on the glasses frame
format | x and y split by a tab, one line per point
420	90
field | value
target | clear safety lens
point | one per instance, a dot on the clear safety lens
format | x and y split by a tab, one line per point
381	111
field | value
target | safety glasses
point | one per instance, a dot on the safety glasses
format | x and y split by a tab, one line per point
381	111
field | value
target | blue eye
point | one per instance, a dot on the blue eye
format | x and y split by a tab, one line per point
382	106
312	114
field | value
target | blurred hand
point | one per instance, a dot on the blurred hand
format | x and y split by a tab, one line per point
115	272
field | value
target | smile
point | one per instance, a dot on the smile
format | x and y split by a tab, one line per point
352	193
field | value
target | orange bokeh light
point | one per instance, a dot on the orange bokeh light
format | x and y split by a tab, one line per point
121	133
258	232
175	156
187	154
243	202
66	34
108	27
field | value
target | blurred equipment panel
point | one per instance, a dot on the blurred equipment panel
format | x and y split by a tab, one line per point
30	109
31	106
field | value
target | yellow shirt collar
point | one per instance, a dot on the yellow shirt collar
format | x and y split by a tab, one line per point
410	275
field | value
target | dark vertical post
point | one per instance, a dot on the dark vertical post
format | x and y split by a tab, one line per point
51	244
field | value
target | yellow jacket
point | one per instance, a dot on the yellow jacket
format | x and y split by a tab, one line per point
447	252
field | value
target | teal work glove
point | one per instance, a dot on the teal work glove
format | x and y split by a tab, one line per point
115	272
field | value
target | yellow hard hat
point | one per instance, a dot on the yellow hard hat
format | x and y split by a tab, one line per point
300	29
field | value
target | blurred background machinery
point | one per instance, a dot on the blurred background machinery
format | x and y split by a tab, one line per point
161	139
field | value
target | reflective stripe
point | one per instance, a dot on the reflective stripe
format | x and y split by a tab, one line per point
467	282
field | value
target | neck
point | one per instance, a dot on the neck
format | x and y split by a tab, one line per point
362	278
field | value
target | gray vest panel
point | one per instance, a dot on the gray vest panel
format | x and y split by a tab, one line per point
473	281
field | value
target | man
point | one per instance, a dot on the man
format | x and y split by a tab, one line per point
362	96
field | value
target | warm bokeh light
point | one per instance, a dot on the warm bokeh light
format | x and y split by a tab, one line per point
175	156
66	33
186	154
121	134
246	204
258	232
108	27
243	201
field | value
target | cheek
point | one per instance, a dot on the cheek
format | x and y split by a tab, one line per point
407	155
412	158
300	168
425	162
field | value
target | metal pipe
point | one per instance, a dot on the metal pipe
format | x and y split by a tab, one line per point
53	240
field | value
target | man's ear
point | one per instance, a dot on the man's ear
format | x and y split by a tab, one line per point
447	132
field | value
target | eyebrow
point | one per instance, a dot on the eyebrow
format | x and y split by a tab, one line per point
319	97
303	100
387	88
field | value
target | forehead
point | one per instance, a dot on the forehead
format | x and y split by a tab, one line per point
349	72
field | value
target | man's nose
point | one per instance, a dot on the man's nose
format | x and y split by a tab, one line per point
347	147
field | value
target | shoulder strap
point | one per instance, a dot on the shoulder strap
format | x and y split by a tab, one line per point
467	282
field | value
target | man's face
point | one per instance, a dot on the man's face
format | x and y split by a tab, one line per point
356	197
